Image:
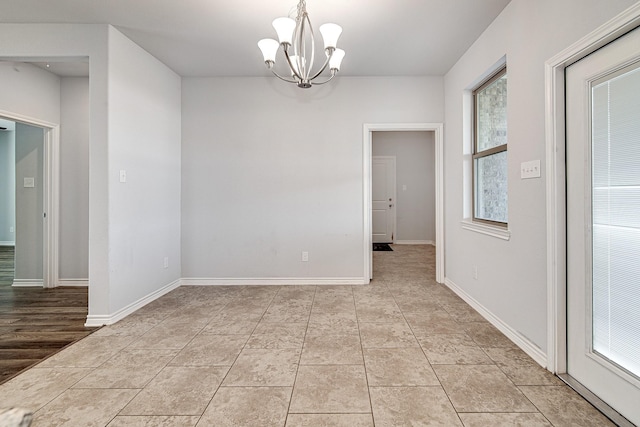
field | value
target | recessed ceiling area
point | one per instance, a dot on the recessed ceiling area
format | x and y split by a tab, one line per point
65	68
61	67
218	38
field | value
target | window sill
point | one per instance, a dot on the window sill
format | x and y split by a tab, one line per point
489	230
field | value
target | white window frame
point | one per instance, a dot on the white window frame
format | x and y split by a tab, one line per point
494	229
476	154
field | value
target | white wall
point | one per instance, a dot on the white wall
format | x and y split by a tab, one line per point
512	274
74	178
144	140
415	171
270	170
7	183
29	202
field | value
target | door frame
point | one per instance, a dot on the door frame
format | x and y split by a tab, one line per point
51	190
555	176
394	195
368	129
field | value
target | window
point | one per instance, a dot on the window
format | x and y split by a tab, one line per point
490	151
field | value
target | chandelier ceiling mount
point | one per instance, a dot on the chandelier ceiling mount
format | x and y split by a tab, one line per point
297	35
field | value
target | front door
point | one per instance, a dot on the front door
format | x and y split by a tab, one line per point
383	188
603	223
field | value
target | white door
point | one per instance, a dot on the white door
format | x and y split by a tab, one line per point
603	223
383	188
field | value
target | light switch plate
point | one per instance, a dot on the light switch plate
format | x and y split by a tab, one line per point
29	182
530	169
123	175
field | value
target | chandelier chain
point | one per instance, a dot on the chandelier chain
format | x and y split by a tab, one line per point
302	9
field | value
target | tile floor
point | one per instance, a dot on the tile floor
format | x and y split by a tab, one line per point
401	351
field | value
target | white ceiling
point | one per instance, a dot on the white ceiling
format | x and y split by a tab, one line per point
218	38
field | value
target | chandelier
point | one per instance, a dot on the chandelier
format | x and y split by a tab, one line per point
298	35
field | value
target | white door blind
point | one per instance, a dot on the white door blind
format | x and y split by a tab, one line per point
616	219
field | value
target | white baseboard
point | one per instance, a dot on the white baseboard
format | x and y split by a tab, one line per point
7	243
414	242
73	282
520	340
28	283
276	281
109	319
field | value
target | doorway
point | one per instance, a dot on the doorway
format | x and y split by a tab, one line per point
383	199
22	193
34	200
368	129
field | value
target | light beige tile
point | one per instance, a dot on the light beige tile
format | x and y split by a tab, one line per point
333	326
520	368
334	303
462	312
564	407
252	313
332	350
177	391
251	306
230	327
376	290
387	311
194	315
134	325
481	388
342	292
296	292
89	352
130	368
398	367
277	335
387	335
486	335
415	304
453	349
288	311
36	387
153	421
504	420
211	350
166	336
432	323
264	367
322	316
85	408
412	406
329	420
247	406
330	389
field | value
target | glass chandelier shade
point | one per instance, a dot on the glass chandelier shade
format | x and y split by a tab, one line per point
297	40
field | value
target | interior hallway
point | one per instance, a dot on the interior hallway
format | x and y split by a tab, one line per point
401	351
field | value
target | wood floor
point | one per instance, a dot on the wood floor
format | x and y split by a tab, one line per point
34	322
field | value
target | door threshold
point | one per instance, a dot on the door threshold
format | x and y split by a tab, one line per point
598	403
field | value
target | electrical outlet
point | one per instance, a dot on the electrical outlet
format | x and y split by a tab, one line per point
305	256
475	272
166	262
10	229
